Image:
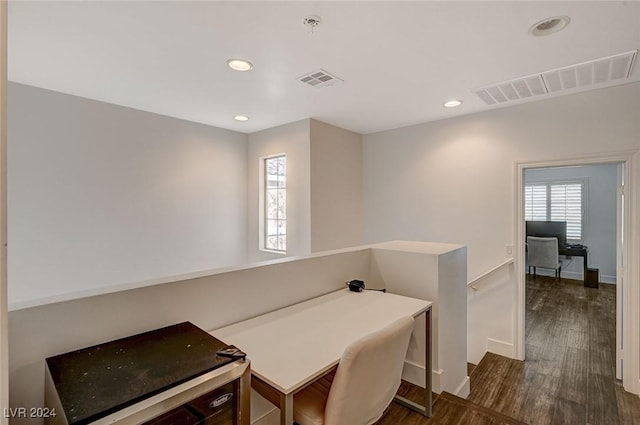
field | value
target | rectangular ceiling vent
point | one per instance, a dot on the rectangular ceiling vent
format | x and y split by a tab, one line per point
522	88
319	78
579	76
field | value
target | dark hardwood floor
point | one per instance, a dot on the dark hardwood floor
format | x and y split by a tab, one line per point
568	377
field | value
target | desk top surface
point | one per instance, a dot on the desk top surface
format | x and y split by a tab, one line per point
290	347
572	248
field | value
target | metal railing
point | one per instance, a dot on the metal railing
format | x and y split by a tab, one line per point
473	282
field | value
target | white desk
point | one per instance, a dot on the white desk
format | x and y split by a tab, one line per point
291	347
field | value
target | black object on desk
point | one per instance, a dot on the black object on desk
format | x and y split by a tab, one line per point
96	381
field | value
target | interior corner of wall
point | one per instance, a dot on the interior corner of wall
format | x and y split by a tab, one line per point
464	389
501	348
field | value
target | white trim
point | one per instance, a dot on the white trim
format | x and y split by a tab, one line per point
611	280
519	238
414	373
501	348
630	290
110	289
261	204
620	195
464	389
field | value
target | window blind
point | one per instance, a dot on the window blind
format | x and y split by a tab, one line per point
556	201
535	202
566	205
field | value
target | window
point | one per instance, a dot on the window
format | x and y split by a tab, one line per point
275	204
556	201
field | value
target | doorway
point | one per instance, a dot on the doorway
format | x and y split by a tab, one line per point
620	168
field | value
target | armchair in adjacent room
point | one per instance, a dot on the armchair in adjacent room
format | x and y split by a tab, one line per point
543	253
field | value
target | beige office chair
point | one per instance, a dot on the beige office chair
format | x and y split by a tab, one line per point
543	252
365	383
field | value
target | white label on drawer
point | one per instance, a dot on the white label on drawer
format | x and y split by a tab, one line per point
221	400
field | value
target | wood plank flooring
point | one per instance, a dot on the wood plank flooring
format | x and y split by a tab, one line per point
568	377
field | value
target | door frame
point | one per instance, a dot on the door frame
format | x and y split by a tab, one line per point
629	292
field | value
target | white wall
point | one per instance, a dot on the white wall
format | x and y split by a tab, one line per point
4	330
488	328
600	217
435	272
293	140
336	187
102	195
454	180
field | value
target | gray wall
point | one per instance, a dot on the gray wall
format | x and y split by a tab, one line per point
336	187
293	140
324	186
100	195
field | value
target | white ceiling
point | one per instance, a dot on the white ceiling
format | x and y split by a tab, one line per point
399	60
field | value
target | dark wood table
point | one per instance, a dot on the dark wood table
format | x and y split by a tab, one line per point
576	251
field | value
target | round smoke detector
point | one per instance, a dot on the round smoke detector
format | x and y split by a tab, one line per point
311	21
549	25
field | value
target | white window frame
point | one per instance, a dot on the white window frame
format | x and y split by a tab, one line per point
262	207
582	181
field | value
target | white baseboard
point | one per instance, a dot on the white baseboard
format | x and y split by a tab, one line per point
576	275
501	348
414	373
464	389
566	274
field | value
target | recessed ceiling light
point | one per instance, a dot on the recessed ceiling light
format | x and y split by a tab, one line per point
549	25
452	103
239	65
241	118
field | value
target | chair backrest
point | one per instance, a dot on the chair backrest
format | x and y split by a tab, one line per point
368	375
542	252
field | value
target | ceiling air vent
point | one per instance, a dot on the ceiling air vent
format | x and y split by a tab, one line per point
579	76
521	88
319	78
589	73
